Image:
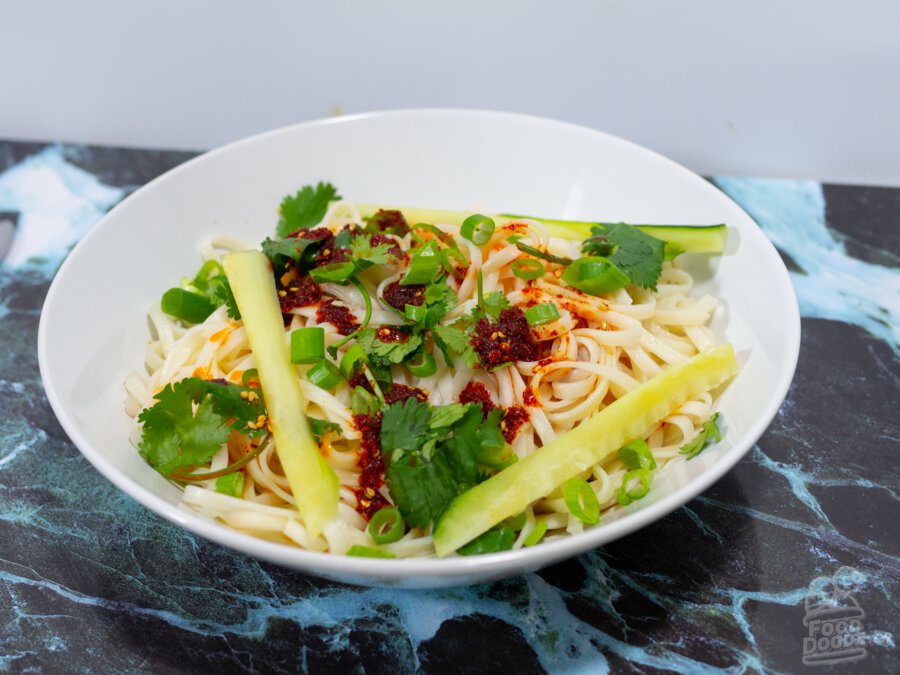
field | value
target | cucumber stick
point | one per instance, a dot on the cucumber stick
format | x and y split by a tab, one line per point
313	483
508	492
685	238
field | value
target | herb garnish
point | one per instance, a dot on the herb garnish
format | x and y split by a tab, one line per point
177	436
306	208
635	253
709	433
437	452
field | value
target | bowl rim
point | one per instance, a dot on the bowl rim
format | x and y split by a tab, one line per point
454	569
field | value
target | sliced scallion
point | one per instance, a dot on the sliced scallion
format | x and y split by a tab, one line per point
541	314
386	526
360	551
595	275
540	529
458	268
423	265
325	375
231	484
415	313
187	306
627	493
478	229
581	500
527	268
422	364
308	345
352	356
637	455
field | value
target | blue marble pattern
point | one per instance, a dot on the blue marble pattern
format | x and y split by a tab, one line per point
90	581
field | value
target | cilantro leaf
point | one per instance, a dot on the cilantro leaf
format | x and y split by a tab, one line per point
442	457
636	253
306	208
174	436
446	415
440	298
709	433
365	255
456	338
421	491
404	424
387	353
239	404
290	249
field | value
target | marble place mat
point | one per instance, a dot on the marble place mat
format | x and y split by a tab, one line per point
737	580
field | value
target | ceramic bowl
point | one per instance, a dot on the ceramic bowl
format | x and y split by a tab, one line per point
94	329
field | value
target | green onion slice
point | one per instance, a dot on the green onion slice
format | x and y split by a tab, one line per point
352	356
422	364
457	269
540	529
478	229
373	382
595	275
527	268
422	265
362	402
325	375
231	485
386	526
415	313
541	314
628	494
337	272
637	455
187	306
308	345
360	551
581	500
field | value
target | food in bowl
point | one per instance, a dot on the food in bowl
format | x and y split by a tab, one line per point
396	382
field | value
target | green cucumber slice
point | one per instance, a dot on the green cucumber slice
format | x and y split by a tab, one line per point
683	238
508	492
313	482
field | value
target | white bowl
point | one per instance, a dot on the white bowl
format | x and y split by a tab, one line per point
94	330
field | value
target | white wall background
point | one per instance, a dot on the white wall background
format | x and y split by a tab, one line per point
801	88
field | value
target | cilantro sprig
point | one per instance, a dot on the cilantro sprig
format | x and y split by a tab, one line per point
437	452
192	418
306	208
637	254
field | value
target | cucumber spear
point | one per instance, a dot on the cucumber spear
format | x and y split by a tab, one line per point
682	238
508	492
313	482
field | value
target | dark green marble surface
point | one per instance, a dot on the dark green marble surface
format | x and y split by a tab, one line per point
92	582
